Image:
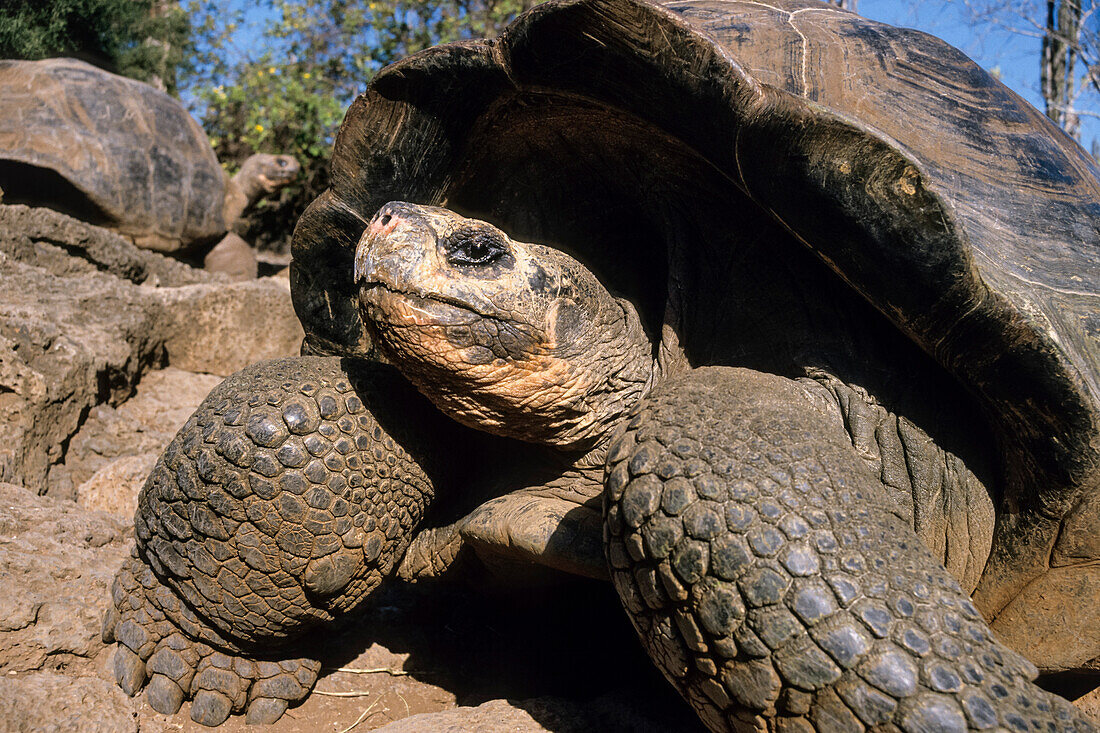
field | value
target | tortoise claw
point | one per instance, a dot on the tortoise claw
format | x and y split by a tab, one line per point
265	710
110	621
217	673
210	708
129	670
164	695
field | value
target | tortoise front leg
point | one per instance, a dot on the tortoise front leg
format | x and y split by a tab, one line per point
285	500
768	577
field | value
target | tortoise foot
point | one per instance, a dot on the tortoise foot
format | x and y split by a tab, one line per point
172	665
509	532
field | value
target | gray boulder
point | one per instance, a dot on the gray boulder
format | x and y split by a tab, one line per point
84	315
57	562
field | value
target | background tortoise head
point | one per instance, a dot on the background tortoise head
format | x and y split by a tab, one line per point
514	338
260	174
270	172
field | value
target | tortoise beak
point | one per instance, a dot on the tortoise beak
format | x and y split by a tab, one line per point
393	249
363	264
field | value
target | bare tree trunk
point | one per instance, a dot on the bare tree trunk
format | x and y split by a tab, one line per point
1060	49
161	48
846	4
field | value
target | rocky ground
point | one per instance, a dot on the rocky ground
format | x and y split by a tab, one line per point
105	350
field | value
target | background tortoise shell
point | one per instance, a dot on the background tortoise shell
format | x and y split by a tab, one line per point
109	150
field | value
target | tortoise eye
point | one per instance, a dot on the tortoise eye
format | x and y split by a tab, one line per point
474	247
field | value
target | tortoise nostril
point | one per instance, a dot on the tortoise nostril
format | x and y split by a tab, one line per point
385	220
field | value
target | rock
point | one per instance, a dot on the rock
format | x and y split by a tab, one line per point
57	561
220	330
233	258
116	447
67	342
114	488
66	246
84	315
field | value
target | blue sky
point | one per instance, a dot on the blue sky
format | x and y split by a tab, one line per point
1014	57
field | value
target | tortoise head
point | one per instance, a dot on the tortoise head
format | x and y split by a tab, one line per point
270	172
513	338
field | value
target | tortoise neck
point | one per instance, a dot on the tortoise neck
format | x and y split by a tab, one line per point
248	182
624	360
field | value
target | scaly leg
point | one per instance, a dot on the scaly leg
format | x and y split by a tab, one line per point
768	578
288	497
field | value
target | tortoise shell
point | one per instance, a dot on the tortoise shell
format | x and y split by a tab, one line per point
707	139
109	150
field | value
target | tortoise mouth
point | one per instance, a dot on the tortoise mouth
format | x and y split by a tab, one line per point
380	302
272	182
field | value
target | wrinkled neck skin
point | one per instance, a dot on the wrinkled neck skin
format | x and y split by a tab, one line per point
623	372
512	338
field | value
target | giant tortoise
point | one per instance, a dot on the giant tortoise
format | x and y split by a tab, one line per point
118	153
809	336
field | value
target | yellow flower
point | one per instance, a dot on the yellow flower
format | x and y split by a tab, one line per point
259	128
306	75
271	69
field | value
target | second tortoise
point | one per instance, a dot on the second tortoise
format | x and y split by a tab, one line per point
118	153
